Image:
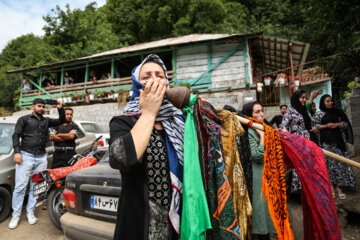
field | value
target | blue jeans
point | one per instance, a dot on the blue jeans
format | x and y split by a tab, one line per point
23	172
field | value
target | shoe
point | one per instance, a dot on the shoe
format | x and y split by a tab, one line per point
14	222
31	218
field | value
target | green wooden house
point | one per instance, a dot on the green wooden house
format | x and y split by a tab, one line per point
224	68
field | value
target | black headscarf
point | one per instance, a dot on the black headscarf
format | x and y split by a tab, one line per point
334	115
295	103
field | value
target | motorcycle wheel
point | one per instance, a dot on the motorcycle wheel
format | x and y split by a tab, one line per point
56	206
5	203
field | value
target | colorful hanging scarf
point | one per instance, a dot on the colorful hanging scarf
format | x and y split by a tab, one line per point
243	146
195	218
173	122
320	218
230	129
218	190
274	186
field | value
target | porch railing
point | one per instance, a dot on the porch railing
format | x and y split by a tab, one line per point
115	84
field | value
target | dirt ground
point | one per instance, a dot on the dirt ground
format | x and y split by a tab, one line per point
42	230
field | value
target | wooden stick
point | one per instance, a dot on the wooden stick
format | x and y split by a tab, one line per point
326	152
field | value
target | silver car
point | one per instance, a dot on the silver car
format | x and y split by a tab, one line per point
93	127
7	165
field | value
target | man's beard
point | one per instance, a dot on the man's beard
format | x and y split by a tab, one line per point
39	112
67	121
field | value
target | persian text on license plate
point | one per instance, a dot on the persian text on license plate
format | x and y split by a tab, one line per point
104	203
40	188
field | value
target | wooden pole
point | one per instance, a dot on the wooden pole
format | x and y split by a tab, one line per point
179	97
326	152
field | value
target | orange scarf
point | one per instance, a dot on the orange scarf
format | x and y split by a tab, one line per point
274	181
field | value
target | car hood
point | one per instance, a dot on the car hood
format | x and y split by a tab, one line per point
96	175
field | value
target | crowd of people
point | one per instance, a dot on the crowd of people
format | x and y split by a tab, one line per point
137	150
329	128
146	146
30	155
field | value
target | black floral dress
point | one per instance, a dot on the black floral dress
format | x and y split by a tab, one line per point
294	122
340	174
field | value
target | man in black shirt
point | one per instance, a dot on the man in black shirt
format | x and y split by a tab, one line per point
30	156
64	140
278	118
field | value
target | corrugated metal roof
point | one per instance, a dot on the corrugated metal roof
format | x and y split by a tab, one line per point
187	39
274	53
168	42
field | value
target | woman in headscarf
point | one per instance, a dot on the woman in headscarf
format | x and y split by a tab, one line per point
334	125
146	145
297	120
262	223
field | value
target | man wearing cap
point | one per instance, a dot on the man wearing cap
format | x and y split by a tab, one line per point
30	155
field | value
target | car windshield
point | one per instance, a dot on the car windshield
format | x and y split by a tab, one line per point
92	127
6	132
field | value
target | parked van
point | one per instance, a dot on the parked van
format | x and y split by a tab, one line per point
7	165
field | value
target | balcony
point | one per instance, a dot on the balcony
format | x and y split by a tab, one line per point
107	90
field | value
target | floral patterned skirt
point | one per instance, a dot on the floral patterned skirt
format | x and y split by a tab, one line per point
340	173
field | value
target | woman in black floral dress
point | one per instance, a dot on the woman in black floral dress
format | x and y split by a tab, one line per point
146	145
297	120
333	124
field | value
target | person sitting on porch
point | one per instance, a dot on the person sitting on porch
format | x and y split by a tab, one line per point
103	77
108	75
94	79
116	73
71	80
26	85
46	82
66	78
92	73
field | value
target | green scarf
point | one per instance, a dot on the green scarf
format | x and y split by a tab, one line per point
195	217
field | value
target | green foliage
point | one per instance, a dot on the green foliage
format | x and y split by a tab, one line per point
77	33
143	21
350	86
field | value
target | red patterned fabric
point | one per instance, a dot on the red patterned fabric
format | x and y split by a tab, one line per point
59	173
320	218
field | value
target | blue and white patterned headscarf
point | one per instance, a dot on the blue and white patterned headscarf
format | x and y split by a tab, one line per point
173	122
135	74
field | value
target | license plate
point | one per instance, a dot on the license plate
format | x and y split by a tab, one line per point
40	188
104	203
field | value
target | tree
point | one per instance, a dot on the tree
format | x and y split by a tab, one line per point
24	51
333	27
138	21
77	33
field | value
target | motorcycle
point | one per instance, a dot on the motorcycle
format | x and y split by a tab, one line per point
49	183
